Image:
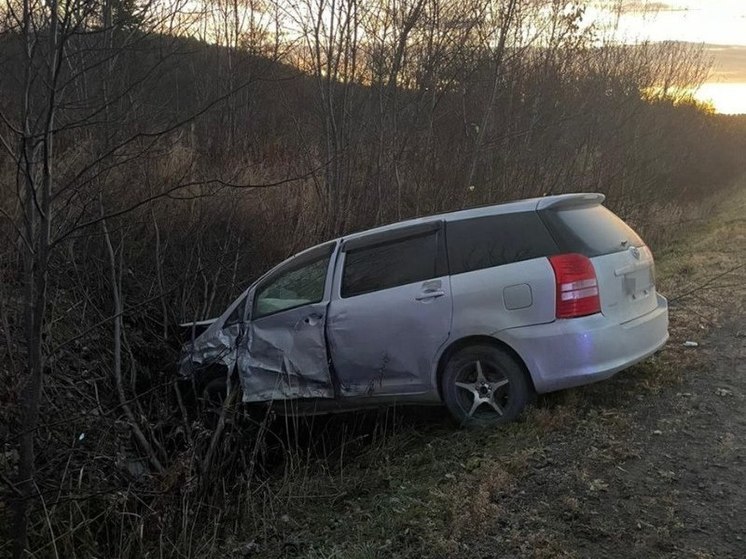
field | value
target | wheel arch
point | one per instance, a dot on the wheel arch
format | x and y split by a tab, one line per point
467	341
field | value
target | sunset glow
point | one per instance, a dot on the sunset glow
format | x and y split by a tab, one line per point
727	98
719	24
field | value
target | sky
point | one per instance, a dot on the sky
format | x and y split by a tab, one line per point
720	24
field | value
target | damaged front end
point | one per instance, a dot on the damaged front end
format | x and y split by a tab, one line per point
209	350
214	348
273	361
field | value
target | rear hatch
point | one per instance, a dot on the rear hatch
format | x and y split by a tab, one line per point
624	265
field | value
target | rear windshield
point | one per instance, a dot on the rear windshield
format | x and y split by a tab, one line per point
591	230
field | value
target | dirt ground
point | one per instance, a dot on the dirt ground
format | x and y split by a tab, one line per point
663	477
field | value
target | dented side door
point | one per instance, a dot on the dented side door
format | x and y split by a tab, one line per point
283	354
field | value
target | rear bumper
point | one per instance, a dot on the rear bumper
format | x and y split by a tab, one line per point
578	351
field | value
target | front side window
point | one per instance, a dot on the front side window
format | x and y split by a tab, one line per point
390	264
301	284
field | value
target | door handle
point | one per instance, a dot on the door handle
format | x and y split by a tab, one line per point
312	319
432	294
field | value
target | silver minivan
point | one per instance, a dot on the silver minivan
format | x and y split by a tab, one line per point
476	309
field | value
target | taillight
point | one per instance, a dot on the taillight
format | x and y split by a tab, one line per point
577	287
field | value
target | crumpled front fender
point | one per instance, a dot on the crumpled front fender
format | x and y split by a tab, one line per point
210	349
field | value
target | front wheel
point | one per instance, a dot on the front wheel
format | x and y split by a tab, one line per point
484	386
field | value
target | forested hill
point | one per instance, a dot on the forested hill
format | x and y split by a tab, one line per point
372	137
358	136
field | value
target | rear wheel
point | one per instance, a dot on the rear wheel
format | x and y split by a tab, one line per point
484	386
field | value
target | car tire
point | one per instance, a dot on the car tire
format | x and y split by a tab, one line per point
484	386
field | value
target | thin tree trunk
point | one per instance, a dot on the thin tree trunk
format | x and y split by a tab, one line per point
116	291
506	23
38	223
159	273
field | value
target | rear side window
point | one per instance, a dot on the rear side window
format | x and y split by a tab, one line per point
391	264
484	242
590	230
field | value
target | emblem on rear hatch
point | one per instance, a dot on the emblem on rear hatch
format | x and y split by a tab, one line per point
635	252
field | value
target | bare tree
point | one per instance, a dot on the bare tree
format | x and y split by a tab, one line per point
78	92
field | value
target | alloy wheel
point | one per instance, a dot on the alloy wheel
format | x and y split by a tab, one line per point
483	391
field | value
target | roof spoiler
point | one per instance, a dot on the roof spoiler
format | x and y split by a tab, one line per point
578	200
